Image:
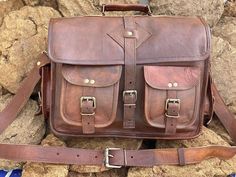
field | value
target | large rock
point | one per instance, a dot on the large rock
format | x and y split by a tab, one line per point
50	3
224	70
26	129
9	5
207	168
23	36
230	8
210	10
77	8
226	29
88	7
46	170
100	143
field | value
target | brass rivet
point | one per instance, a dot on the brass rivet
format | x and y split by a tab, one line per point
86	81
38	63
130	33
170	84
175	84
92	81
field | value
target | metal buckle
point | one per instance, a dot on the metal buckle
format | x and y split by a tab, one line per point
88	98
130	92
108	156
171	100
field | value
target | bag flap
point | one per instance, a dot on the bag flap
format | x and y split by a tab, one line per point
171	78
100	40
92	76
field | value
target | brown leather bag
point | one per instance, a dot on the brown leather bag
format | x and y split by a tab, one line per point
131	76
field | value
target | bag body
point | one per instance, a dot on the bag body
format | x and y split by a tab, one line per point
137	77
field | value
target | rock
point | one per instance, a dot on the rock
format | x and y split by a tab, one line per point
23	36
218	128
224	70
100	143
230	8
26	129
89	7
226	29
46	170
1	90
210	10
207	168
49	3
77	8
9	5
111	173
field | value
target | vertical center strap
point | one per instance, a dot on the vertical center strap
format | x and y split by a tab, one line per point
87	110
130	93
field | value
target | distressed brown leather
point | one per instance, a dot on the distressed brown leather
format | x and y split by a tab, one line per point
136	63
136	77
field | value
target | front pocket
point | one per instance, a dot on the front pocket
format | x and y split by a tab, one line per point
178	86
99	83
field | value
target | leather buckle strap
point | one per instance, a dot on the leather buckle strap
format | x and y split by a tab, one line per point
93	100
130	94
87	111
130	97
172	108
107	157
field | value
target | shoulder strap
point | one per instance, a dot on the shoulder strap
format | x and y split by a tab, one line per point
9	114
224	114
110	157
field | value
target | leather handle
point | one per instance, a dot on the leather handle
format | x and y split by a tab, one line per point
126	7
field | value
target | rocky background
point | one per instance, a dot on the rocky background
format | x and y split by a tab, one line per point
23	36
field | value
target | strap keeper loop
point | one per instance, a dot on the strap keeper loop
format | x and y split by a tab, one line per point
181	156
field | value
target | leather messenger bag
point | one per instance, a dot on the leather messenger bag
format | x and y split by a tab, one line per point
133	76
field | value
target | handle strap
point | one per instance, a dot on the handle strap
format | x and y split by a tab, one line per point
110	157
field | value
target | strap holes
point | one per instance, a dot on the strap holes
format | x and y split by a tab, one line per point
96	157
88	123
130	106
58	153
130	82
132	157
171	124
77	155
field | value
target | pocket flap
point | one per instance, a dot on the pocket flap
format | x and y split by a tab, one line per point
93	76
171	78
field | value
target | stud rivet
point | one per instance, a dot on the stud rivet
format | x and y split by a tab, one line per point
86	81
38	63
130	33
92	81
175	84
170	85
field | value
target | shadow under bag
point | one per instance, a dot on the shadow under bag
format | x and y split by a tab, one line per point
134	77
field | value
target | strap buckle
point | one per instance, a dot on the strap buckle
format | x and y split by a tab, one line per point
130	93
94	105
107	156
173	101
